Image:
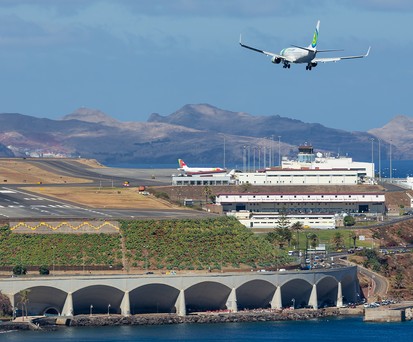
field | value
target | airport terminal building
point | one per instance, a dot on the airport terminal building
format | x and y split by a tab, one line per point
311	168
322	210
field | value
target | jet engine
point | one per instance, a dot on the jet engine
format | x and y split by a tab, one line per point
276	60
313	64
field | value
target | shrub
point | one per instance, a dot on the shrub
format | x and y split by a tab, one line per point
162	195
44	270
349	221
19	270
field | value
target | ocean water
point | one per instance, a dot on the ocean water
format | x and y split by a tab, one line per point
401	168
332	329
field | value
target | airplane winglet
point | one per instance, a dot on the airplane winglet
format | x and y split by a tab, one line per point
368	51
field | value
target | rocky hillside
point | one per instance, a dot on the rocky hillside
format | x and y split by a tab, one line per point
196	133
293	132
395	259
399	133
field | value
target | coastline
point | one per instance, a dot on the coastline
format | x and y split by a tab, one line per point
53	323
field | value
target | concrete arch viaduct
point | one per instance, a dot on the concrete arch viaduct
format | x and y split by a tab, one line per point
182	294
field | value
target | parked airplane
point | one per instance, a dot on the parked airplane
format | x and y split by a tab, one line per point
184	167
299	54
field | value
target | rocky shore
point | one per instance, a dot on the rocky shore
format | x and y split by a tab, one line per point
50	323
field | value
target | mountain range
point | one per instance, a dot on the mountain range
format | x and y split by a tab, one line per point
197	133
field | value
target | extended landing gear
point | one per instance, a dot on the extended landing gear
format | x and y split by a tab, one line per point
310	66
286	65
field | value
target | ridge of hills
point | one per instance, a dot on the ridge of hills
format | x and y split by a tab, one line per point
196	132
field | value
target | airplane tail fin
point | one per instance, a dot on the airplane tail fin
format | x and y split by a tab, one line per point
182	164
313	45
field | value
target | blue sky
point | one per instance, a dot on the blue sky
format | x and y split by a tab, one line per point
130	58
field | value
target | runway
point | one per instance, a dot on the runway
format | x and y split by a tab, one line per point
148	177
16	203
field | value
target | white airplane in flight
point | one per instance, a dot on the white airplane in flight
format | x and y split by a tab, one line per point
299	54
185	168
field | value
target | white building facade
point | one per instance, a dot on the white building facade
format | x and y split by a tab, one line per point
321	211
303	203
299	177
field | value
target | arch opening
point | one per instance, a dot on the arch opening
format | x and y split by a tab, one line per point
97	299
296	292
255	294
327	291
37	299
206	296
153	298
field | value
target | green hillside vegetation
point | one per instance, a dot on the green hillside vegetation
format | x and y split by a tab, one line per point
149	244
203	244
59	249
196	245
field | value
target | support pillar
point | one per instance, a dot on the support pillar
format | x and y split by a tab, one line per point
11	298
313	301
12	303
68	307
231	303
180	304
276	302
339	295
125	305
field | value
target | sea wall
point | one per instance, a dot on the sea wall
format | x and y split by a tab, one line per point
220	317
376	315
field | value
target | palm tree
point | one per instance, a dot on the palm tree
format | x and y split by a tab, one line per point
313	238
208	193
297	226
337	240
24	299
353	236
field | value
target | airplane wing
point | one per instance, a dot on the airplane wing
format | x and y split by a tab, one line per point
271	54
336	59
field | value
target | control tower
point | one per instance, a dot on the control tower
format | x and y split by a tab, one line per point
305	154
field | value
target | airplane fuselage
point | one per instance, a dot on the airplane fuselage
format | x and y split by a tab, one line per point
297	55
303	55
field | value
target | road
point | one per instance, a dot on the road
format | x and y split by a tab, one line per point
379	284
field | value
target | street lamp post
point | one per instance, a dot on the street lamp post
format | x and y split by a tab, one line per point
146	258
244	158
53	248
372	157
108	309
255	149
224	152
279	150
91	309
379	160
272	150
249	157
293	301
264	155
391	166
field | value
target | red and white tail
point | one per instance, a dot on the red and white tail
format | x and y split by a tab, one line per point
182	164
